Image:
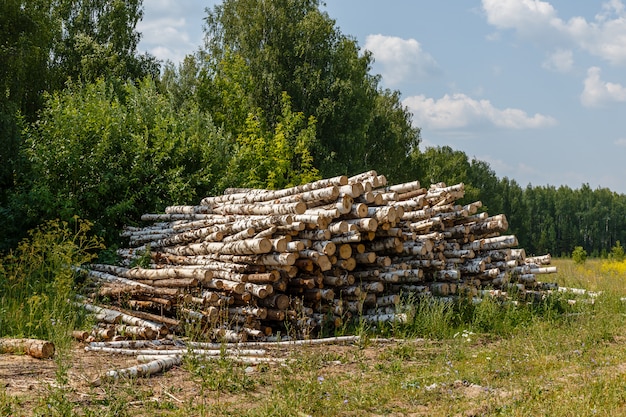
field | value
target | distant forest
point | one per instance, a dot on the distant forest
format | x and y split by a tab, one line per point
277	96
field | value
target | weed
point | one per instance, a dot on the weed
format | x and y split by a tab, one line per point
38	278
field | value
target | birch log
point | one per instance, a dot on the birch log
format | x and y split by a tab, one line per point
147	369
40	349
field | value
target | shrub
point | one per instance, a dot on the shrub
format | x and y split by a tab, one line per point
579	255
617	252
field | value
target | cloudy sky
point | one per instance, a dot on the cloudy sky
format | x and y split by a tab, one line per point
535	88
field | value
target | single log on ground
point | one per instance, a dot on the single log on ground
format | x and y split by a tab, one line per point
150	368
40	349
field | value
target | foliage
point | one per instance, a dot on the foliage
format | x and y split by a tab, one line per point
273	160
37	285
28	32
110	158
99	40
37	279
10	140
579	255
181	83
257	49
617	252
43	44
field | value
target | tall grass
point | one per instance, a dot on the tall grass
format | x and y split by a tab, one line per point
37	280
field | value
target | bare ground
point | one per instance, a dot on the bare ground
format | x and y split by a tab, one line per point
30	380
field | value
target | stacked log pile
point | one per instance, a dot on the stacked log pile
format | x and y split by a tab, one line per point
251	263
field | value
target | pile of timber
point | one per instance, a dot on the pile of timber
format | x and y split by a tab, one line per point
255	263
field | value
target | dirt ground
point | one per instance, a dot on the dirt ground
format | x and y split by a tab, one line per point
31	379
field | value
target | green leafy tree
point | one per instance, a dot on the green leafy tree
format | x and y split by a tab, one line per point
110	159
617	252
224	92
274	159
99	40
181	83
291	46
43	44
28	32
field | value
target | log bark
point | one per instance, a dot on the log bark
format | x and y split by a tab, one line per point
136	331
405	187
150	368
364	225
125	318
40	349
172	283
242	247
262	209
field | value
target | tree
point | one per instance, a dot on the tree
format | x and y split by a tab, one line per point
443	164
291	46
99	40
28	31
43	43
110	159
181	83
278	159
617	252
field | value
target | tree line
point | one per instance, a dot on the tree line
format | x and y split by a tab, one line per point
276	96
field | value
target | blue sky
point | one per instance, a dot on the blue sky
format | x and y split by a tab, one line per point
537	89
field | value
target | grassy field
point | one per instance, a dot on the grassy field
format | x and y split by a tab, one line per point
556	358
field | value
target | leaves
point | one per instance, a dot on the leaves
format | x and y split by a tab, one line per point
111	157
256	50
274	159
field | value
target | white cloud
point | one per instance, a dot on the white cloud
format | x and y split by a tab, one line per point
171	29
400	59
621	142
560	60
598	92
460	111
604	36
521	15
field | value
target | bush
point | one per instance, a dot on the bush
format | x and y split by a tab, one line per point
579	255
617	252
110	153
